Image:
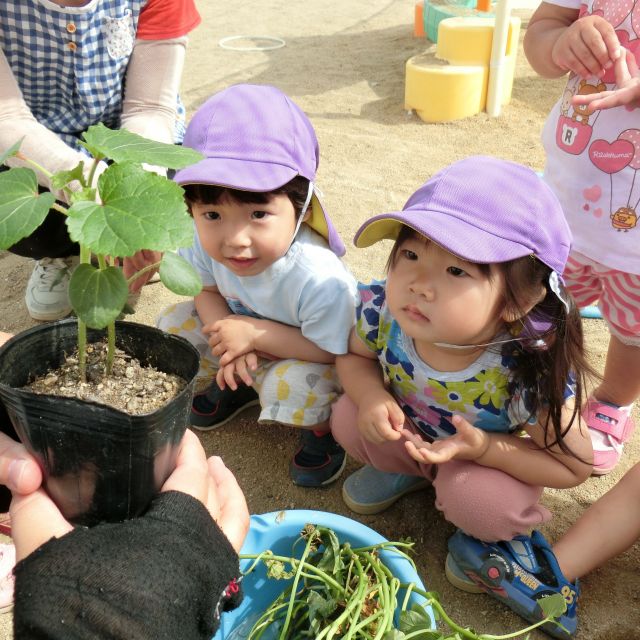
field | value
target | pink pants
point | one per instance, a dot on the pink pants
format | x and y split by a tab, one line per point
485	503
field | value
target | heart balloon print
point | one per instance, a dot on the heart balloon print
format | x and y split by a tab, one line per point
611	157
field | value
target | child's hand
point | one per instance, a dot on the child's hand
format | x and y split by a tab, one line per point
588	47
627	82
469	443
240	368
230	337
380	418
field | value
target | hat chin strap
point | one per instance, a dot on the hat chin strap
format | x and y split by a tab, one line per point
302	213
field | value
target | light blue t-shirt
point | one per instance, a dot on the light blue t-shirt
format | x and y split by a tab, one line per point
309	287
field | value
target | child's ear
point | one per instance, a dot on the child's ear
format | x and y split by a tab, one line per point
511	314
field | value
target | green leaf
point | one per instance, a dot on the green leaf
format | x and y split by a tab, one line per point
11	151
22	208
179	276
139	210
123	146
320	607
331	559
553	606
417	619
63	178
393	634
97	295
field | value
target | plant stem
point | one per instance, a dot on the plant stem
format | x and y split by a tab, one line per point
82	350
293	562
137	274
305	555
60	209
85	257
111	346
92	172
467	633
48	174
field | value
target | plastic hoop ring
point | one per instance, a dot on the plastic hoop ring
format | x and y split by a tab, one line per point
278	43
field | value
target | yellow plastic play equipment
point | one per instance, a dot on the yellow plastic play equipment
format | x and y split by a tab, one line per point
473	70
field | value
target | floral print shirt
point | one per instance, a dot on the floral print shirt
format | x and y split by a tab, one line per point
483	393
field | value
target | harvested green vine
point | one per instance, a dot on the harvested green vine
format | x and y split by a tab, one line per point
337	591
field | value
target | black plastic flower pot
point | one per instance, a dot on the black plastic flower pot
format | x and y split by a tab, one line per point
99	464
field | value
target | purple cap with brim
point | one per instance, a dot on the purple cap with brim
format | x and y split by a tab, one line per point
484	210
254	138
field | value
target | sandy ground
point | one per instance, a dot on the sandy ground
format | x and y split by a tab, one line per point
344	64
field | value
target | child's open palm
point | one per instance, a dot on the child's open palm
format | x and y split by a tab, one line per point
380	418
588	47
468	443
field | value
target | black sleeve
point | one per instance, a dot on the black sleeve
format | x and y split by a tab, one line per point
166	575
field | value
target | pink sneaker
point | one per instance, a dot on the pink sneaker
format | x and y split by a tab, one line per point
7	562
610	427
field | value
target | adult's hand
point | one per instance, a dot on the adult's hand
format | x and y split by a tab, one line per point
35	518
210	482
18	470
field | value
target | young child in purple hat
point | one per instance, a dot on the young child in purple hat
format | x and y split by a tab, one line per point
277	304
466	370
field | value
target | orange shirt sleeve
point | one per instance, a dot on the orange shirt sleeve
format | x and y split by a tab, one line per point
164	19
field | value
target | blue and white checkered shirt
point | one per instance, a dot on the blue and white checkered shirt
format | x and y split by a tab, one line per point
70	62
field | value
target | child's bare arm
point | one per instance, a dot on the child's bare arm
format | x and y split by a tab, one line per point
380	417
529	460
234	335
211	306
557	41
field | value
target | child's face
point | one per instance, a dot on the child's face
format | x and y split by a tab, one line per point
438	297
245	237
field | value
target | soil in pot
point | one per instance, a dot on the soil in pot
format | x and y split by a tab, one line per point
131	387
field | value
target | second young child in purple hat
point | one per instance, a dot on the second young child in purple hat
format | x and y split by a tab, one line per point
277	304
466	366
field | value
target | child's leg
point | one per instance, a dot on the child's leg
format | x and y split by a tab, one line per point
487	503
300	394
390	473
607	413
182	320
621	382
584	546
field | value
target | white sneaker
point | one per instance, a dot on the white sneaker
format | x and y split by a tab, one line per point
7	579
47	294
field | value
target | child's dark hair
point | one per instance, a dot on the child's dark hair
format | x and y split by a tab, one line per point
554	357
297	190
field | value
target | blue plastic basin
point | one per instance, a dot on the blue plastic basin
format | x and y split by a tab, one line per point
278	531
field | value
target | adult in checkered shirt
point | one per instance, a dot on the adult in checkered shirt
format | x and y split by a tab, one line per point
66	65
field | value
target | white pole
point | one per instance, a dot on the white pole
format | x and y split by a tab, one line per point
498	59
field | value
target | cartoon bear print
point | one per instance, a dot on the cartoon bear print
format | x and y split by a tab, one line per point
624	218
582	112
